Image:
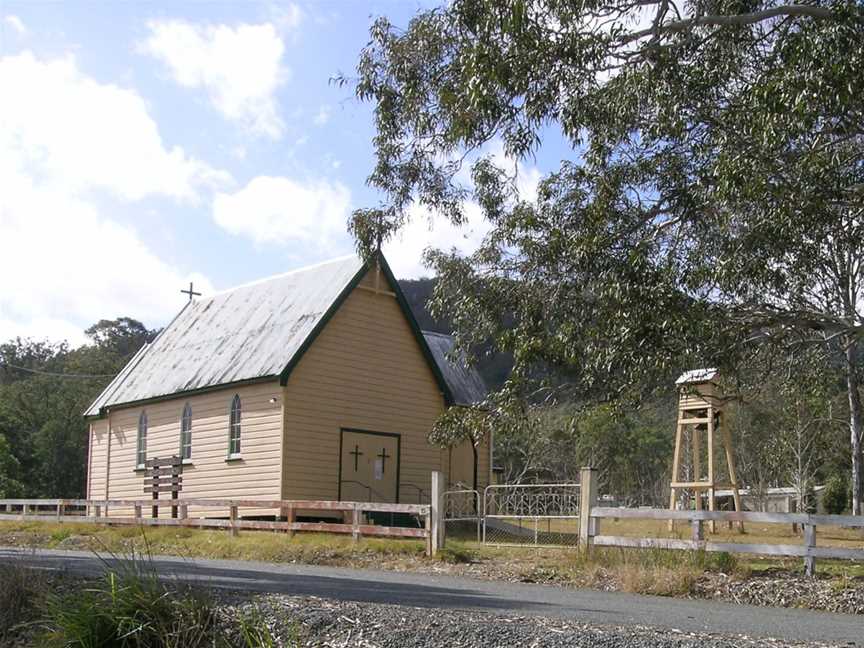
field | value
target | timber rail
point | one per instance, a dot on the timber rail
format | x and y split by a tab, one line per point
94	511
592	515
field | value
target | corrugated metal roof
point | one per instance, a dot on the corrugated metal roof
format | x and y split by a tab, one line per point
249	332
695	376
465	382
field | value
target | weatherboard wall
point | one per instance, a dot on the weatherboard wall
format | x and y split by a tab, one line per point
209	474
365	371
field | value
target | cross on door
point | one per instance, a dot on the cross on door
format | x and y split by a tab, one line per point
356	452
383	457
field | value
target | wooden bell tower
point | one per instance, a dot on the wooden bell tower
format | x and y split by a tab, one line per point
700	416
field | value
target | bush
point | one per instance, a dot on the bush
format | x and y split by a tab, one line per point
835	497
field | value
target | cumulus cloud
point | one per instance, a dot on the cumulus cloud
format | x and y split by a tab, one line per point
426	230
283	210
67	141
64	266
72	131
16	23
240	68
405	251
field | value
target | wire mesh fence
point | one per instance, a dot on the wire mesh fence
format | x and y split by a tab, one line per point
463	515
531	514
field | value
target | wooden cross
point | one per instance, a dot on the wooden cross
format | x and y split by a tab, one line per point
383	457
190	292
356	452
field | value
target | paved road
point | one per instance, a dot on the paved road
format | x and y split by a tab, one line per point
432	591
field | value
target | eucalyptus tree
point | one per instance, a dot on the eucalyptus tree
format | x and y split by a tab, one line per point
712	200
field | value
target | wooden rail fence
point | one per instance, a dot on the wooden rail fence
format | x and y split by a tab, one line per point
592	515
96	512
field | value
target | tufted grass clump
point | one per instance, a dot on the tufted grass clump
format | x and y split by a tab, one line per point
130	607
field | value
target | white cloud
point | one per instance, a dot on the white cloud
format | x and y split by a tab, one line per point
405	251
288	17
282	210
424	230
69	130
64	266
239	67
16	23
323	115
66	141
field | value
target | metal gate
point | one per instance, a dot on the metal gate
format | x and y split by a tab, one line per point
463	515
531	514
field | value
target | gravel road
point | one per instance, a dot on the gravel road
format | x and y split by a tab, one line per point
330	624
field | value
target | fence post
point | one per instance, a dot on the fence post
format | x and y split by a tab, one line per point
60	510
430	541
587	501
435	504
184	511
233	517
137	512
809	543
290	517
355	523
697	532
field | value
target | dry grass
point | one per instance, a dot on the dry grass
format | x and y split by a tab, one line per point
265	546
661	572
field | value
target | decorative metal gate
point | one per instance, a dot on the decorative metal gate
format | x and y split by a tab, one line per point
531	514
463	514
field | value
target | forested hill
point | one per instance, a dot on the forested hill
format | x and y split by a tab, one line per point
44	388
494	368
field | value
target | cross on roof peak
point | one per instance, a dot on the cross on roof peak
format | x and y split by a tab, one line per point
190	292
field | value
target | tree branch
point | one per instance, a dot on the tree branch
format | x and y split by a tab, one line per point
725	21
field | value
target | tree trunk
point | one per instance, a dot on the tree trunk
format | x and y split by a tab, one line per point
856	425
476	464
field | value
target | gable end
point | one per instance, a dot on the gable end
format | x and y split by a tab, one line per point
406	312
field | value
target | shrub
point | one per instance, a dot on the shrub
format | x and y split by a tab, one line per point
835	497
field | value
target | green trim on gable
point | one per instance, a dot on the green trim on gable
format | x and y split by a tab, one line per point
406	311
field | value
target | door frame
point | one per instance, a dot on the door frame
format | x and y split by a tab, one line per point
343	430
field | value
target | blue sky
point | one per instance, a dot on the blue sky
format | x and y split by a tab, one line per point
147	144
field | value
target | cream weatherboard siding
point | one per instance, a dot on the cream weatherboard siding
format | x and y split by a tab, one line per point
209	475
97	459
365	371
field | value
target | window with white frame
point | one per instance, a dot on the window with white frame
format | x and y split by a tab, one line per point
234	427
186	433
141	447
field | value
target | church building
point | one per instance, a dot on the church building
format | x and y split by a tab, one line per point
316	384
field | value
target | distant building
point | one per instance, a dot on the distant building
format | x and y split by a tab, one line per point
315	384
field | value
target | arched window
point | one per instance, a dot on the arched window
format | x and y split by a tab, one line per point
186	432
234	427
141	448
